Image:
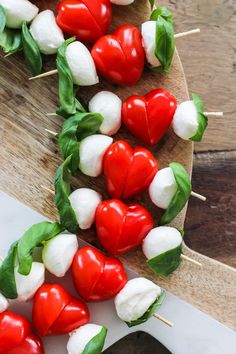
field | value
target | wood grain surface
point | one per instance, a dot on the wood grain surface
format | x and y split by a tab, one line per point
29	158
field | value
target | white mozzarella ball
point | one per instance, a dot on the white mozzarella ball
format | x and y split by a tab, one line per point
160	240
109	106
27	285
92	150
149	42
84	202
135	298
18	11
185	121
81	64
4	304
46	32
81	337
163	188
122	2
59	252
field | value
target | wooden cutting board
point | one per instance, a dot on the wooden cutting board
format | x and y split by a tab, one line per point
29	158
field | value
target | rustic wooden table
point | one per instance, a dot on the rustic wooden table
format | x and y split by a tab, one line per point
209	61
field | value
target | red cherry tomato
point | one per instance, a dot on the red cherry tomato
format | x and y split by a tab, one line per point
88	20
127	171
16	336
97	277
57	312
121	227
120	57
149	117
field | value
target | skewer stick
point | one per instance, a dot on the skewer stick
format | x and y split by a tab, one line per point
51	114
198	196
48	190
48	73
53	72
51	132
186	258
216	114
163	319
187	33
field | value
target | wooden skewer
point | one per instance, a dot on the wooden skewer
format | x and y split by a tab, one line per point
198	196
51	132
163	319
51	114
187	33
53	72
186	258
216	114
48	190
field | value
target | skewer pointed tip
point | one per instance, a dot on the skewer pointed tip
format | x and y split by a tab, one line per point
186	258
164	320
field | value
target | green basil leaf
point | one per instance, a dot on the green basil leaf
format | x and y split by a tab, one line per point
152	3
2	19
62	193
181	196
202	118
165	43
67	89
166	263
74	130
95	345
31	51
34	237
10	41
164	13
198	103
7	275
150	312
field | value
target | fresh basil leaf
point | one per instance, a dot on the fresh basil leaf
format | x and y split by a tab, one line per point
7	275
34	237
10	41
74	130
79	109
202	118
31	51
67	89
167	262
62	193
95	345
181	196
165	43
152	3
198	103
150	312
2	19
164	13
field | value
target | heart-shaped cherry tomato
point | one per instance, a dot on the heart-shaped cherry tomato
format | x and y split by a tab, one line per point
96	276
121	227
57	312
120	57
149	117
16	336
127	171
88	20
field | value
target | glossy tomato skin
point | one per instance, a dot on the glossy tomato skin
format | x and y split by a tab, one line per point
149	117
16	336
97	277
88	20
120	57
13	330
128	171
74	315
31	345
55	311
122	227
